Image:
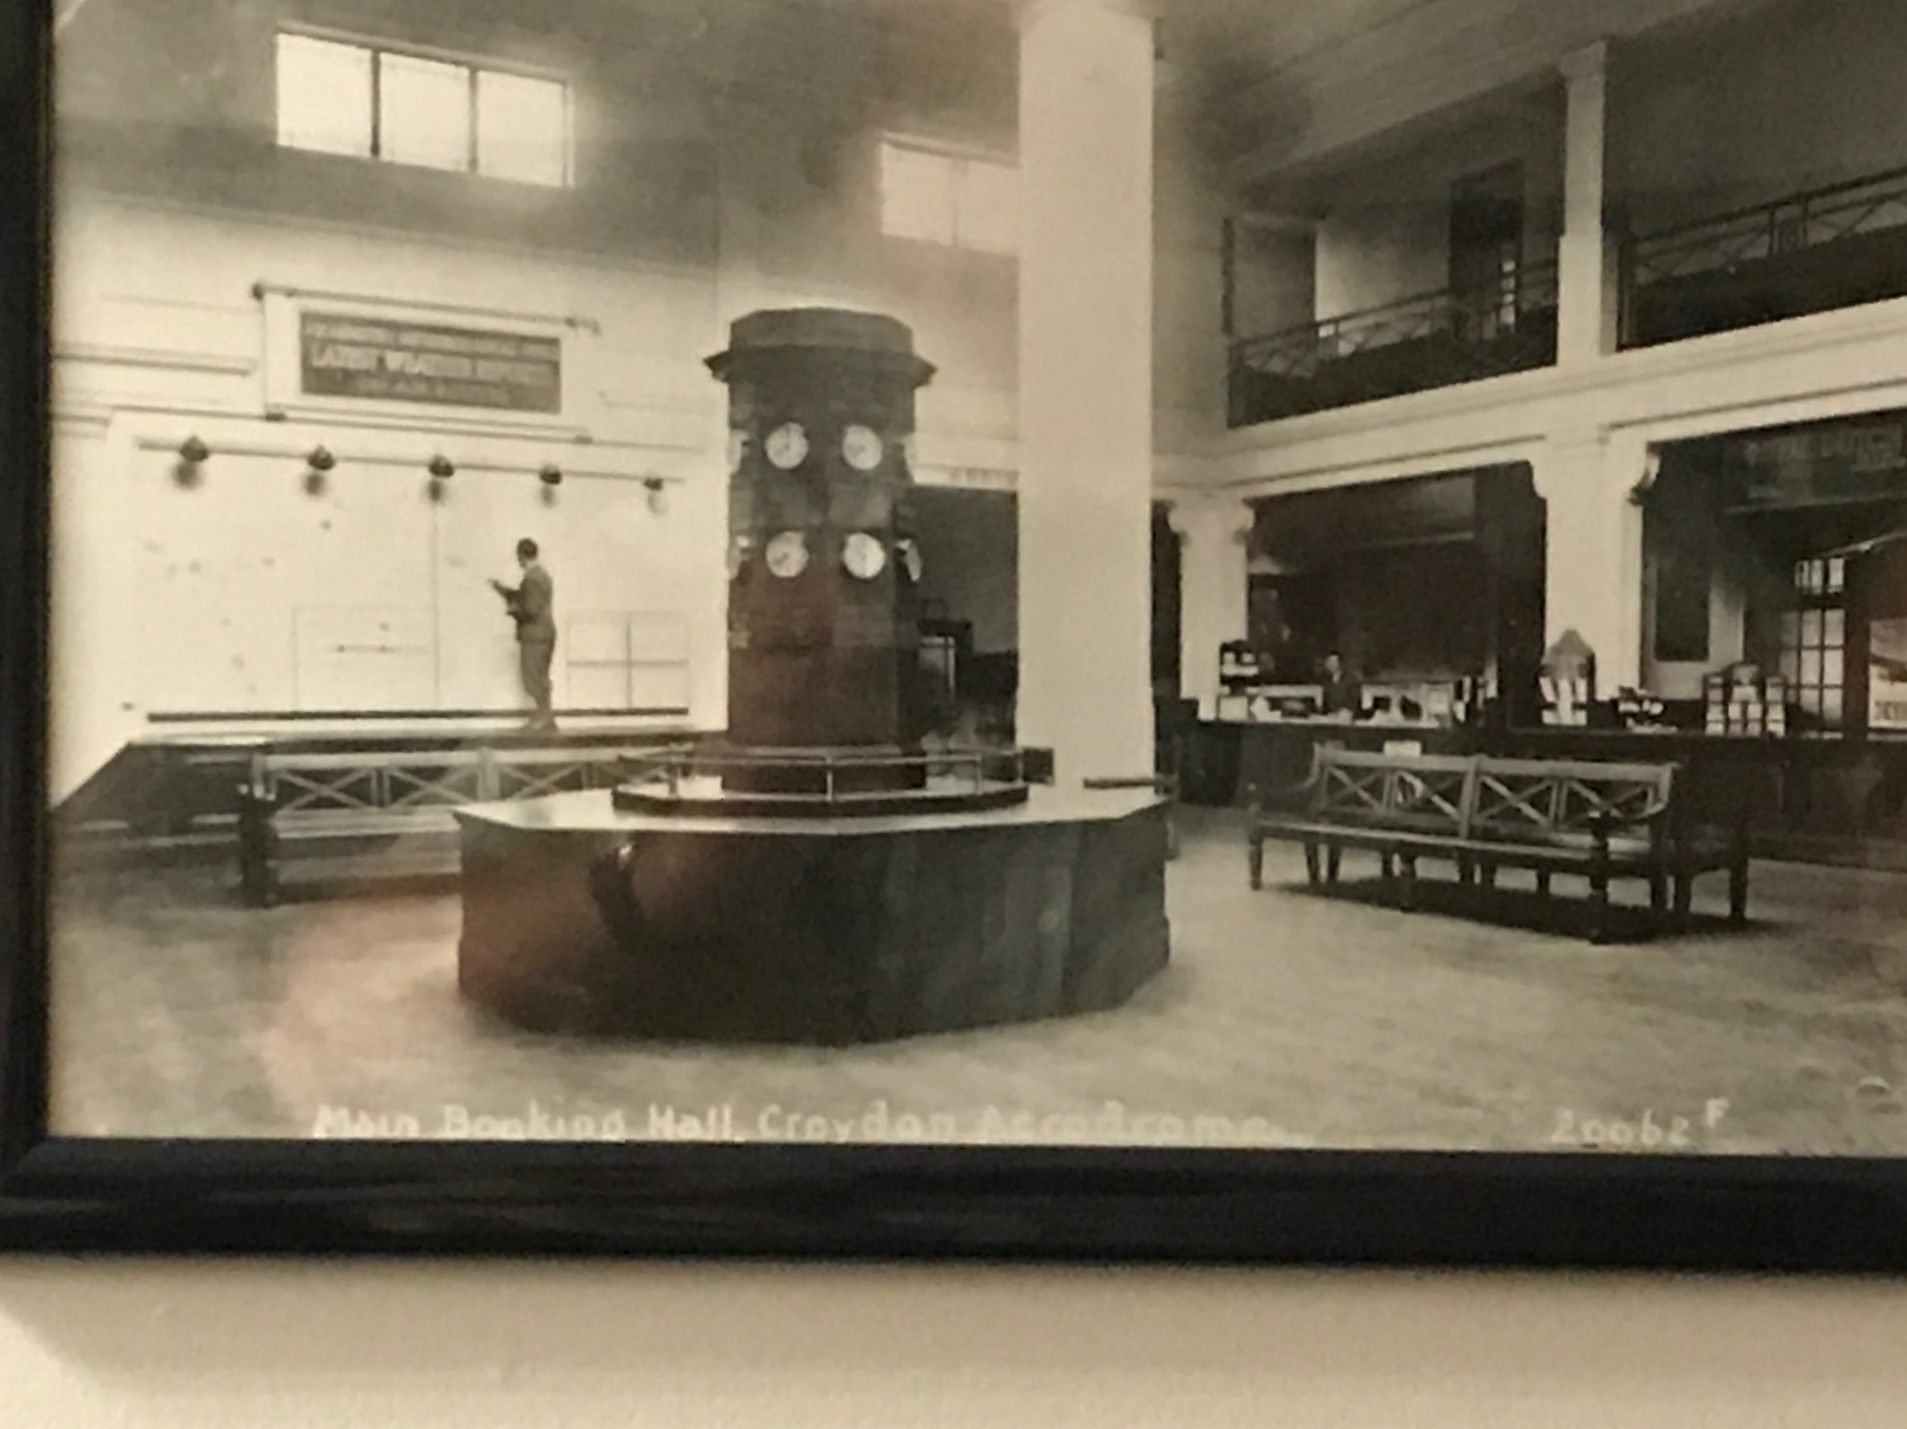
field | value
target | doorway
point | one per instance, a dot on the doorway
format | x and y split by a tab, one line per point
1486	250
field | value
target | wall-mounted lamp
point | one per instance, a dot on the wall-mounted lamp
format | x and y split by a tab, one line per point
441	469
192	456
658	494
318	461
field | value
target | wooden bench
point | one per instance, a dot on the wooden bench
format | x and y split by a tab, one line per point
385	812
1603	821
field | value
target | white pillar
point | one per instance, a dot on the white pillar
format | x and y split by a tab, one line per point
1586	298
1593	549
1214	550
1085	378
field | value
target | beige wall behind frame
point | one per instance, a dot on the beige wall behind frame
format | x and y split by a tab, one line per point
286	1346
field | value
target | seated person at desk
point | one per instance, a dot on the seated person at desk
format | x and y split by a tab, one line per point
1341	693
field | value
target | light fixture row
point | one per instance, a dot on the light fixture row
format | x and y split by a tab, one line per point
194	453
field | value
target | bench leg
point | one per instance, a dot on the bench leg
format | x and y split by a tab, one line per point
1388	865
1542	882
1466	872
1311	872
1255	855
257	853
1489	875
1684	898
1333	860
1599	908
1407	887
1738	894
1658	891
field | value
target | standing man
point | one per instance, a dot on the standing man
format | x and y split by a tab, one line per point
532	606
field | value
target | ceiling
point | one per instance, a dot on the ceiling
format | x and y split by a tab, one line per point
1269	87
1272	85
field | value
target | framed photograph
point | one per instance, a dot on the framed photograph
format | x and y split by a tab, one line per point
956	628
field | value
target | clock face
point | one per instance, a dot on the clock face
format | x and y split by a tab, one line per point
864	556
787	554
862	447
737	449
787	446
907	556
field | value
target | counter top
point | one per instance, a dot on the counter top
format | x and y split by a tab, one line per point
592	812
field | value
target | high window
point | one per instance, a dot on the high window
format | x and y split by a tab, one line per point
341	97
959	200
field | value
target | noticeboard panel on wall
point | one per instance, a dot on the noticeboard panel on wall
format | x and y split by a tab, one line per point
347	355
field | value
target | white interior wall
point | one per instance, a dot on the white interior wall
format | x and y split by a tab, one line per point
243	591
1274	285
1384	234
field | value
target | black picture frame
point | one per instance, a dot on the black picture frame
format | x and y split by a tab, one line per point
163	1196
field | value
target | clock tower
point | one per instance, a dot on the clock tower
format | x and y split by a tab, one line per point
823	560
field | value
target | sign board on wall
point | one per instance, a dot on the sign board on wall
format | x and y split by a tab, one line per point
1853	460
342	355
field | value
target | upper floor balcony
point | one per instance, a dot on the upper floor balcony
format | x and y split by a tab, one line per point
1426	341
1694	179
1808	252
1824	248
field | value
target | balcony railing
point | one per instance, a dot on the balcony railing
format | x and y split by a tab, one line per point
1432	340
1809	252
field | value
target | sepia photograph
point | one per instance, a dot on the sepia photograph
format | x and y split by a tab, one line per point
1327	576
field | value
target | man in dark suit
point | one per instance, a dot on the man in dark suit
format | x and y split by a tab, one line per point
532	605
1342	696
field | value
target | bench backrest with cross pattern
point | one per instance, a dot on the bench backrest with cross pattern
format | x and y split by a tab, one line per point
1551	798
413	781
1474	797
1427	793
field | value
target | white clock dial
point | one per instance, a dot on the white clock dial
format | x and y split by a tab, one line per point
787	554
864	556
737	449
862	446
907	555
787	446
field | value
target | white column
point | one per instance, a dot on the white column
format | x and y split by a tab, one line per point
1593	552
1085	384
1214	550
1586	271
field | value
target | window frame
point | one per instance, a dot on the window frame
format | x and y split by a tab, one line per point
473	67
960	160
1819	590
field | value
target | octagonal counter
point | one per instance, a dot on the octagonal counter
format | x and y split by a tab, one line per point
580	918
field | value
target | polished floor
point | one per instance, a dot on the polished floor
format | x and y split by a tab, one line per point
1286	1018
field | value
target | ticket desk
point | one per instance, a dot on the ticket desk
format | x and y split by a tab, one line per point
1227	758
1838	799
